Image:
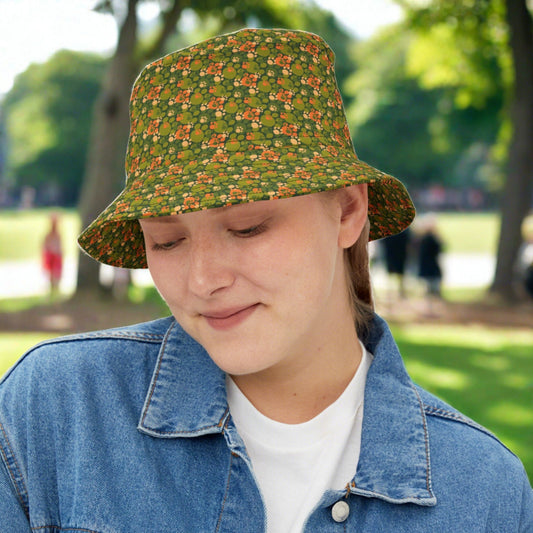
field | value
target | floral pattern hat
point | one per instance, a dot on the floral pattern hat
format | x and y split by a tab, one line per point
248	116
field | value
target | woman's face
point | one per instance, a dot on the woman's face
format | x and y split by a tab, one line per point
258	285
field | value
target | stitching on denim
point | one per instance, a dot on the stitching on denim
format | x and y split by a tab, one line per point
426	440
21	491
221	424
458	417
219	522
156	377
430	410
65	529
184	432
148	337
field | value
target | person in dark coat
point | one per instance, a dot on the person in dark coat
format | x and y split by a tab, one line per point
395	250
429	251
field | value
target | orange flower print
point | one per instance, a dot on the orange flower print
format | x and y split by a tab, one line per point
312	49
217	140
156	162
204	178
283	191
283	61
152	127
270	155
289	129
183	131
248	46
154	93
215	68
284	96
314	82
183	96
221	157
237	194
161	190
250	174
183	62
252	113
315	115
191	202
249	80
216	103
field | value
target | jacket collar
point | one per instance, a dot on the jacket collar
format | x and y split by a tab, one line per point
187	394
187	398
394	462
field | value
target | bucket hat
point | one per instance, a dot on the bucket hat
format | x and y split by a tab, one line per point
241	117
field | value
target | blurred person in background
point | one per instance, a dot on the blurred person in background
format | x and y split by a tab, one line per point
52	255
525	256
430	248
396	251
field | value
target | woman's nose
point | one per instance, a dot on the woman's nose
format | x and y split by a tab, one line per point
209	267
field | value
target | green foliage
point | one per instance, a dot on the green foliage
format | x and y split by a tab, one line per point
416	130
48	116
462	49
461	46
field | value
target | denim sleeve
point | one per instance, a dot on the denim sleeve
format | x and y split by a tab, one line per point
12	517
526	520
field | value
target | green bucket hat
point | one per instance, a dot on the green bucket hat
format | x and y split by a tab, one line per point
248	116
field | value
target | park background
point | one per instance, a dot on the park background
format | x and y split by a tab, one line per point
437	93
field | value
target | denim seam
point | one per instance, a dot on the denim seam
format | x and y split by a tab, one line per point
14	471
426	441
64	529
188	432
149	337
457	417
219	522
156	377
73	338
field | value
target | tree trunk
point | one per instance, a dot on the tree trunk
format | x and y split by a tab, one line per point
518	190
104	172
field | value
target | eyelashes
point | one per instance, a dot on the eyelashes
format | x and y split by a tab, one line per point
245	233
252	231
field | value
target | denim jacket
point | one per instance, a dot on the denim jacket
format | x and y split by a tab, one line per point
128	430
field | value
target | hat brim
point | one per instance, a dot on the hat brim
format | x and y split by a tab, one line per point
115	237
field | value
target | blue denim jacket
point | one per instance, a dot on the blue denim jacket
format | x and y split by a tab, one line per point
128	430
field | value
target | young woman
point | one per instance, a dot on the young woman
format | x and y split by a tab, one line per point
273	399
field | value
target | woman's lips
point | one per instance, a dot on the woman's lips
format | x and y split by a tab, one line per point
229	318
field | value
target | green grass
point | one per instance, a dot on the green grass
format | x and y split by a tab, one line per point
13	345
485	373
22	232
469	232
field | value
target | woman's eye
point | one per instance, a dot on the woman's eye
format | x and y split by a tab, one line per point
251	231
164	246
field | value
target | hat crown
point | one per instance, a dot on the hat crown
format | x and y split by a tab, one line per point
269	94
248	116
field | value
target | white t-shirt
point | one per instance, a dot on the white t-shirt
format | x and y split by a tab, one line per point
294	464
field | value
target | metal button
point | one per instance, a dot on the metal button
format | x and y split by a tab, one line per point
340	511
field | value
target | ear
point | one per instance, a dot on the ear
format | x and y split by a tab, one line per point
354	212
